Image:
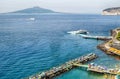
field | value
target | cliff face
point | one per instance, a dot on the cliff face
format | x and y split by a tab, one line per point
115	41
112	47
111	11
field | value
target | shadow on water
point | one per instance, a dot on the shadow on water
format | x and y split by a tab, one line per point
115	56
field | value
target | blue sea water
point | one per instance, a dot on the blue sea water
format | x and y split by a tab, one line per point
31	46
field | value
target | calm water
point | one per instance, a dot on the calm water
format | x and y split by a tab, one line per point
31	46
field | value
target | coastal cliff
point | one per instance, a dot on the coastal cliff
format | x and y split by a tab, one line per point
112	46
111	11
116	38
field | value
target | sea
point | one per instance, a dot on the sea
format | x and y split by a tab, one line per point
33	43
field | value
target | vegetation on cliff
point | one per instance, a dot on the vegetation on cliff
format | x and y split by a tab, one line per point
118	36
112	9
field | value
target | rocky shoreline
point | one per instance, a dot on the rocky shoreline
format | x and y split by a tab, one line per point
111	11
111	47
102	47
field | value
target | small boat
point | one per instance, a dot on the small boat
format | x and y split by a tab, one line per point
78	32
32	19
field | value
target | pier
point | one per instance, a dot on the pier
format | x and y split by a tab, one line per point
100	69
55	71
96	37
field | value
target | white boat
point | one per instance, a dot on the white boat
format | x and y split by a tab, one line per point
32	19
78	32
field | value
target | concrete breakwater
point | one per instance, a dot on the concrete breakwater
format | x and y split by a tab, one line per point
55	71
97	37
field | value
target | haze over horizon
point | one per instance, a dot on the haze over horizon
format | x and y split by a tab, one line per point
69	6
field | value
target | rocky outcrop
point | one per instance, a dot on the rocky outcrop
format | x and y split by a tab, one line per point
112	46
115	42
111	11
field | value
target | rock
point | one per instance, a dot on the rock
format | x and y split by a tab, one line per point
111	11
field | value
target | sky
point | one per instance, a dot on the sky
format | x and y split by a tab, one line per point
68	6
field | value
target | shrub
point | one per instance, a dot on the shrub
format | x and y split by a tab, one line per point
118	36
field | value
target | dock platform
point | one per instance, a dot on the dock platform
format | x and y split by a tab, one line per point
96	37
100	69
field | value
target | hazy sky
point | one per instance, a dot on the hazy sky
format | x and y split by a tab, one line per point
71	6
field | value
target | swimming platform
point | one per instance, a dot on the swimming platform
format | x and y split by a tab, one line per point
56	71
78	62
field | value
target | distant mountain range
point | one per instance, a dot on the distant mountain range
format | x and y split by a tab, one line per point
35	10
111	11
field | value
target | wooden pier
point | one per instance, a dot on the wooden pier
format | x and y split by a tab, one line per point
55	71
96	37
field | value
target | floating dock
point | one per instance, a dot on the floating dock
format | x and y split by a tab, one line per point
55	71
96	37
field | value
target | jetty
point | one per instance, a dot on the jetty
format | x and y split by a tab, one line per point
96	37
108	73
55	71
100	69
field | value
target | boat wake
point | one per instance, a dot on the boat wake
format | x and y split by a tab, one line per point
78	32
